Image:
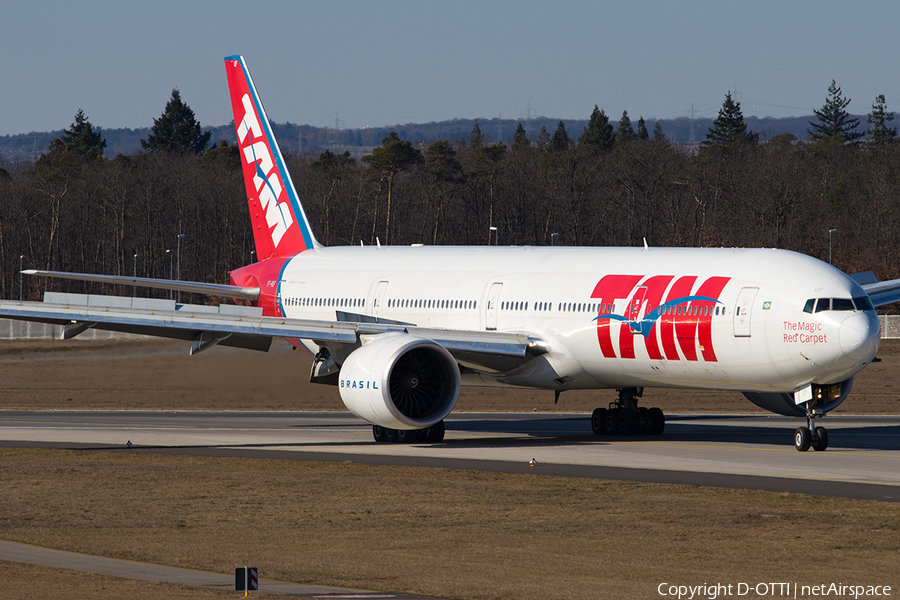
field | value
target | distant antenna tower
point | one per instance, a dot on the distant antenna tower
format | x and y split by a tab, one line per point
337	131
528	112
692	126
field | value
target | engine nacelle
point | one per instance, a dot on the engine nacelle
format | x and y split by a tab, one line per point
825	398
400	382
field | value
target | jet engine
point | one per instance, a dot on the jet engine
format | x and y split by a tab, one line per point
400	382
824	398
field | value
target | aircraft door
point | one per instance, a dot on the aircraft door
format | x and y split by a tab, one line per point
633	310
742	311
492	306
378	298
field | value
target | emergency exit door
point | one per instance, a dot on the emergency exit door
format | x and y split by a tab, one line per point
743	311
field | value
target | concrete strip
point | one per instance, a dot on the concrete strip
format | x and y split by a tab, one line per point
60	559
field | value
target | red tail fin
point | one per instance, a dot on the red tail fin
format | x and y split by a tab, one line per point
280	226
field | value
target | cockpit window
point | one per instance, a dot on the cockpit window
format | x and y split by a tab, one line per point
842	304
863	303
823	304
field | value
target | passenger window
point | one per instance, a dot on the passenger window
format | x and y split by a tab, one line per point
841	304
808	307
823	304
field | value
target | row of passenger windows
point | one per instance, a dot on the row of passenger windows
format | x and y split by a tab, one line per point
335	302
608	308
815	305
604	308
411	303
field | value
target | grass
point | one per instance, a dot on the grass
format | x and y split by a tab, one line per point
52	374
444	533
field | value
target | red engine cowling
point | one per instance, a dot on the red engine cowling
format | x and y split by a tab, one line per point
400	381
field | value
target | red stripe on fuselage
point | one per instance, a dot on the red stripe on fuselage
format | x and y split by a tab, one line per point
609	289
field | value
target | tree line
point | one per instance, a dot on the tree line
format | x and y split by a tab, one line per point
73	210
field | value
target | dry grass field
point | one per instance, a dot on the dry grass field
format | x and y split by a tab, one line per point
152	374
448	534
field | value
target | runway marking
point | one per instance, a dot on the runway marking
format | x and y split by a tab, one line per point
712	445
103	425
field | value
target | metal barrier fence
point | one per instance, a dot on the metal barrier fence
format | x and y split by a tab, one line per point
26	330
14	330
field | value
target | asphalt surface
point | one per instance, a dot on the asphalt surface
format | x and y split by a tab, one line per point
734	451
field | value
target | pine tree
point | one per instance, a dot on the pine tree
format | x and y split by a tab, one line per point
658	135
520	139
598	135
879	133
176	130
834	120
393	157
78	145
560	140
80	139
642	132
476	140
543	137
729	127
625	131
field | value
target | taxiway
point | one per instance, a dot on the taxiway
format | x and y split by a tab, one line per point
739	451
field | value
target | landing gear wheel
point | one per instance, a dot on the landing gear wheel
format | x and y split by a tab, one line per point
379	433
628	422
598	421
657	421
643	427
611	422
802	439
820	441
407	436
390	435
433	434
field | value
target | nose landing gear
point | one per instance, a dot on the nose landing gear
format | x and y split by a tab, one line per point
811	436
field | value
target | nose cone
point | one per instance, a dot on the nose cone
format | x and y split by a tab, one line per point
859	336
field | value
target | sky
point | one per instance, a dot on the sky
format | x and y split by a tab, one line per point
373	64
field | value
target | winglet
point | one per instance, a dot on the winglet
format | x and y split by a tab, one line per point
280	226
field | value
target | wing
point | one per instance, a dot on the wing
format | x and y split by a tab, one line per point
245	327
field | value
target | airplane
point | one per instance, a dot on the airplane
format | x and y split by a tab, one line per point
398	329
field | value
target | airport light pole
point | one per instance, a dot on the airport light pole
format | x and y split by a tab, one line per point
553	237
496	236
22	258
134	291
180	237
830	231
171	270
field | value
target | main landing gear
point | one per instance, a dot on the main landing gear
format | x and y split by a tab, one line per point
428	435
811	436
624	417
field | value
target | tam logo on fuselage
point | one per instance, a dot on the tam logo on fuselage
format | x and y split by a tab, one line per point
268	186
671	328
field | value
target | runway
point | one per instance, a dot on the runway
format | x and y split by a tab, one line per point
735	451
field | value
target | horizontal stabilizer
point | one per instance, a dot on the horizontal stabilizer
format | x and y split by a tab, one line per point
211	289
864	278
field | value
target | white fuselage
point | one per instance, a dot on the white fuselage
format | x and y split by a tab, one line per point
744	327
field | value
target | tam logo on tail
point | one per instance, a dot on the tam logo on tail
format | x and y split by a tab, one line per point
280	227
